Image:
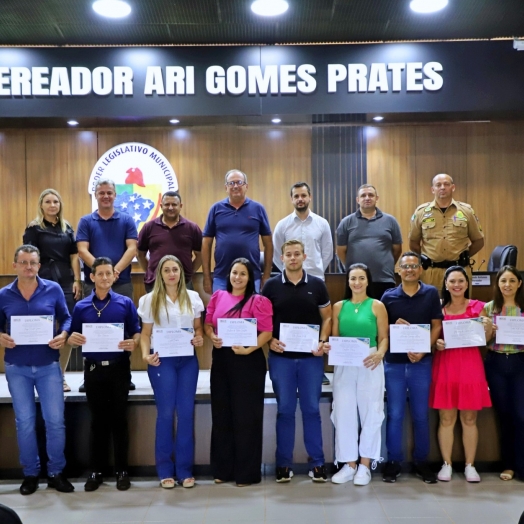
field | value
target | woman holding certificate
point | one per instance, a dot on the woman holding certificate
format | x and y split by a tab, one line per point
358	391
171	313
55	239
238	376
458	382
504	365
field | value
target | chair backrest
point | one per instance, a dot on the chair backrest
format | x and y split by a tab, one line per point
8	515
503	256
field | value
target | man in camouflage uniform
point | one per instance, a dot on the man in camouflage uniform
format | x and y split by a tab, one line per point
445	232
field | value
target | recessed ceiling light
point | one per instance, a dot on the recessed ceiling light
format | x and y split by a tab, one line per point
276	120
174	121
427	6
112	8
72	122
269	7
378	118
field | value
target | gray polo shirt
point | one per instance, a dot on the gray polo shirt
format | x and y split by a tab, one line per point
370	242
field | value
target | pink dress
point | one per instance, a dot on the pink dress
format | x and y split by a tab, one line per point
458	380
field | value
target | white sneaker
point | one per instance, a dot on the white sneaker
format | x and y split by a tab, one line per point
471	474
445	473
344	475
362	476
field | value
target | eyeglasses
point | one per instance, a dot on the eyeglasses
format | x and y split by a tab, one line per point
409	266
234	183
26	263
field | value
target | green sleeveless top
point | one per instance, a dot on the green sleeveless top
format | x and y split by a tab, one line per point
362	324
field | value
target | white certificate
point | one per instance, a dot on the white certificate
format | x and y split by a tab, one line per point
173	342
348	351
102	338
237	331
464	333
412	338
510	330
300	338
32	329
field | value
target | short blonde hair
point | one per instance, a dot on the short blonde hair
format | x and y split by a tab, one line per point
292	242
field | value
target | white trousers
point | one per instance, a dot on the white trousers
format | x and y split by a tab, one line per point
358	393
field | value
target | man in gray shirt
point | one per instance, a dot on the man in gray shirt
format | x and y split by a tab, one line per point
373	238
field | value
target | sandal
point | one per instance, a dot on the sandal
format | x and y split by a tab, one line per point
507	474
66	387
168	483
218	481
188	483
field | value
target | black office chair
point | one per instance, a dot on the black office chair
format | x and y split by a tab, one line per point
503	256
8	515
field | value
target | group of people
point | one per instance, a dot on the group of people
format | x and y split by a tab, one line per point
443	234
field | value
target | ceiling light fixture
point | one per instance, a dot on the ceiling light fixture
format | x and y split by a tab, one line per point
269	7
112	8
72	122
427	6
174	121
276	120
378	118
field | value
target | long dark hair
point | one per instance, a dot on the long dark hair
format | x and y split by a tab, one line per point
498	299
349	294
445	294
250	288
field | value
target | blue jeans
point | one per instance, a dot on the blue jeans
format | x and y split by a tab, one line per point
221	283
305	375
401	379
174	383
48	381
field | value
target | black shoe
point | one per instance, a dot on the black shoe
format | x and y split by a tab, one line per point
93	482
132	387
423	471
29	485
325	380
82	388
318	474
123	481
391	471
284	474
60	483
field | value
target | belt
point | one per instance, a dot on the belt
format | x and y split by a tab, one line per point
445	264
112	362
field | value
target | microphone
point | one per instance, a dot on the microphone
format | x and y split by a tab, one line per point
483	261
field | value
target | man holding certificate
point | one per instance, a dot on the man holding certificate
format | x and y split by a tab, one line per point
30	308
106	325
301	327
415	319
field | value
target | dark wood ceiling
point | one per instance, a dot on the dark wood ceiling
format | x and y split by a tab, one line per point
160	22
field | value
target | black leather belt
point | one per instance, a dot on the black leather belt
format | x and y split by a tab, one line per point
445	264
112	362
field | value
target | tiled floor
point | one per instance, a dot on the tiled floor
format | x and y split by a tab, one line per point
300	502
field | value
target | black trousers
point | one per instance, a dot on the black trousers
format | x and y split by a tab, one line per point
237	410
107	390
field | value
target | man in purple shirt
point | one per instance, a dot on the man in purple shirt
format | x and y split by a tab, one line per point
170	234
236	223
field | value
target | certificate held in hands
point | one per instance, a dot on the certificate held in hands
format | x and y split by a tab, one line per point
348	351
300	338
237	331
32	329
510	330
464	333
410	338
102	338
173	342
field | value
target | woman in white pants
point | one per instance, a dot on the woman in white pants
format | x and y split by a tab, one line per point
358	391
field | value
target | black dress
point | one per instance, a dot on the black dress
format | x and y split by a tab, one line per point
56	248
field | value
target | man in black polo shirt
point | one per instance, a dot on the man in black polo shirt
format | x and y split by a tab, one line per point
413	302
298	298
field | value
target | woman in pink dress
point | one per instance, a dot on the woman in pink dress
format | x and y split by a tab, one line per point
458	379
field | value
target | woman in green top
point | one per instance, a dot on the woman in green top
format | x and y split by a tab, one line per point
505	372
358	391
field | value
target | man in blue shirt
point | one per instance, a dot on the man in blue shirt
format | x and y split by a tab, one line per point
29	366
236	223
412	302
107	373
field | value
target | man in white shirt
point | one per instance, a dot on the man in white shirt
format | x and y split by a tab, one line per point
311	229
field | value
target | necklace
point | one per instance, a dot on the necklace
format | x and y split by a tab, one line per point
99	311
357	306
